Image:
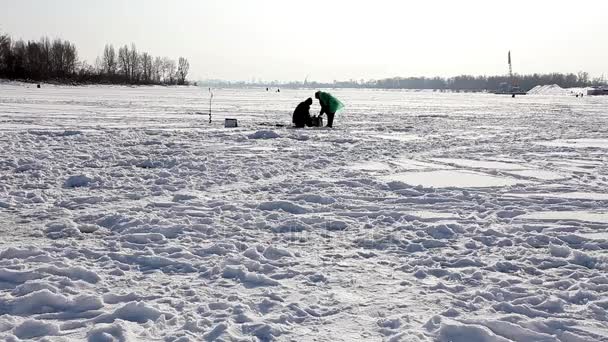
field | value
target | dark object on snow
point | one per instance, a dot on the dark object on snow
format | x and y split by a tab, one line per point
38	86
329	105
270	124
598	91
278	90
301	116
316	121
230	123
505	88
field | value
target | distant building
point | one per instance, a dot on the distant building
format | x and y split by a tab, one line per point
603	90
506	88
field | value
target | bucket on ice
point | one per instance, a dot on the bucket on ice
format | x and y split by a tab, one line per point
316	121
229	123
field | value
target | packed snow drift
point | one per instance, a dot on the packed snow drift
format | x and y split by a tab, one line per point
126	216
554	89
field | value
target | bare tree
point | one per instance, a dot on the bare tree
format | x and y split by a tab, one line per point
5	51
4	39
182	70
135	64
583	78
146	67
86	70
46	57
164	71
169	70
70	58
157	68
98	68
18	57
124	61
32	60
109	59
57	58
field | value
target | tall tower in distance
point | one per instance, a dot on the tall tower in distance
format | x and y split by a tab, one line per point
511	69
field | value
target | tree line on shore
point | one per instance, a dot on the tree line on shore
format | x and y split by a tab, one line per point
482	83
57	60
462	83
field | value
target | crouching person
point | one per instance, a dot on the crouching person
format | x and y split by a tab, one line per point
301	116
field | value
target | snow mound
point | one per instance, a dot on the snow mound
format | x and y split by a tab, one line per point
45	301
74	273
18	253
554	89
139	312
559	251
453	331
313	198
32	328
183	197
107	333
77	181
68	133
444	231
285	206
61	229
246	277
290	226
264	134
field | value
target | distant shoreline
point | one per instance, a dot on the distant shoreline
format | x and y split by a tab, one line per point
82	84
460	83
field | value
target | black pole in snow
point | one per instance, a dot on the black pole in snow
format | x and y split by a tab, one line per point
210	98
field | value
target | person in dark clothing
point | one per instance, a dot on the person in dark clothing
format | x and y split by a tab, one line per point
301	116
329	105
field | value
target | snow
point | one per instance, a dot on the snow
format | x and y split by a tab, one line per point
567	195
138	312
77	181
33	328
480	164
452	178
577	143
264	134
578	215
539	174
555	90
397	136
420	217
550	89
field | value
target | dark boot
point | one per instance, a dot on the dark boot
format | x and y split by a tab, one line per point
330	119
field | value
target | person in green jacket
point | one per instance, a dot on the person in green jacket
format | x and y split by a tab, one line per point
329	105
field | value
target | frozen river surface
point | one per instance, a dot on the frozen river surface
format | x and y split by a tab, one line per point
126	216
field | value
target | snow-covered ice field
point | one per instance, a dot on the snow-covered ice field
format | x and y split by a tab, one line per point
126	216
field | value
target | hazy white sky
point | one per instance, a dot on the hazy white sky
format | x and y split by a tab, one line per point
330	39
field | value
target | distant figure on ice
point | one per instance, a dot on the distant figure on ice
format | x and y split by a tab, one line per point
301	116
329	105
